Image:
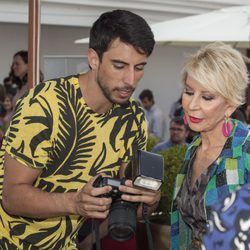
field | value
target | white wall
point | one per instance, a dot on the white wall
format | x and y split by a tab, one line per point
55	40
162	74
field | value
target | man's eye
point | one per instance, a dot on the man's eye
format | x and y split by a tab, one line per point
119	66
139	67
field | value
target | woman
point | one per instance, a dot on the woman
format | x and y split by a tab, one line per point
20	71
218	160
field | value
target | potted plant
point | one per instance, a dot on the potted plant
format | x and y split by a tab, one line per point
173	160
151	142
160	220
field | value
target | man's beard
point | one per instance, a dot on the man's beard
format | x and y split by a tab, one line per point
107	93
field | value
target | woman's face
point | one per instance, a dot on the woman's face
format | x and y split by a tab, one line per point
205	110
19	67
7	104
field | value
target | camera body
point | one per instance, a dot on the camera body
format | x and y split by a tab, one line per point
148	173
122	216
115	193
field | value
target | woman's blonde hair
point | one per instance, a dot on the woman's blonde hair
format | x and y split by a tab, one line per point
219	68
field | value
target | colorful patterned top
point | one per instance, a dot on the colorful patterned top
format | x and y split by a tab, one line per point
232	169
54	130
229	225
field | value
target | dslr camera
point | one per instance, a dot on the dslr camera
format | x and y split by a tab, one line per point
147	173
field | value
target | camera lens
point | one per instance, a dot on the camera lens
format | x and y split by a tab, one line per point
122	220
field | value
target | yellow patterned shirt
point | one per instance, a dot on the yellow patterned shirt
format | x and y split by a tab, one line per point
54	130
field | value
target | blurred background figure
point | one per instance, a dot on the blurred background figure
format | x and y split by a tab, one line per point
8	111
240	115
155	117
9	85
178	134
176	109
2	96
20	72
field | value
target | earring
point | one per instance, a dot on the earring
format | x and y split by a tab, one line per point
227	127
185	119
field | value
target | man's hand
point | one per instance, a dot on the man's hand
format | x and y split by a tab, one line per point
89	205
151	198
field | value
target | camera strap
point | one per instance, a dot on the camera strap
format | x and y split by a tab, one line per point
147	223
97	234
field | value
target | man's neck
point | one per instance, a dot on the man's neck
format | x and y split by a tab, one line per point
92	94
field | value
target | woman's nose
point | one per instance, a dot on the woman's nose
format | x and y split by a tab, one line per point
194	102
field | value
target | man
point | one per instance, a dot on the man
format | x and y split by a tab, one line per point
67	131
155	117
178	135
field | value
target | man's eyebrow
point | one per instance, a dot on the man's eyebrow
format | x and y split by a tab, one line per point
125	63
142	63
119	61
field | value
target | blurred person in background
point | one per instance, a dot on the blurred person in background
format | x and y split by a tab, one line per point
20	72
155	117
178	134
176	109
8	111
2	111
217	161
9	85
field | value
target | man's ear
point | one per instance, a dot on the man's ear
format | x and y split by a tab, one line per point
93	59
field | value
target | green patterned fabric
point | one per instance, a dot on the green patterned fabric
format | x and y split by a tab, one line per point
231	170
54	130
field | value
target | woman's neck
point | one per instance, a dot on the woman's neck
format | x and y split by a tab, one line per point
213	139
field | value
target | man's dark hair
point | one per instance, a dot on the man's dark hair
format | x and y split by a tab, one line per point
179	120
129	27
146	93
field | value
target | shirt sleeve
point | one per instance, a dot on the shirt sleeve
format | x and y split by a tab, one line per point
28	138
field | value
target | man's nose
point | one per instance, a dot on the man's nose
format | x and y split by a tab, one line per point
129	77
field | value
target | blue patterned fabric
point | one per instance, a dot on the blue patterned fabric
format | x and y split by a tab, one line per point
229	227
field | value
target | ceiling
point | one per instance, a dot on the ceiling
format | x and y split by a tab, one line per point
83	13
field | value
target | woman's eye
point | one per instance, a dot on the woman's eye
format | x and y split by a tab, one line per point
188	92
208	98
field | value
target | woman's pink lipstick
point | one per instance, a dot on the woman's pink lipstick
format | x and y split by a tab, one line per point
194	119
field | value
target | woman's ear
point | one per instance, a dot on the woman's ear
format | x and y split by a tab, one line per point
230	110
93	59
